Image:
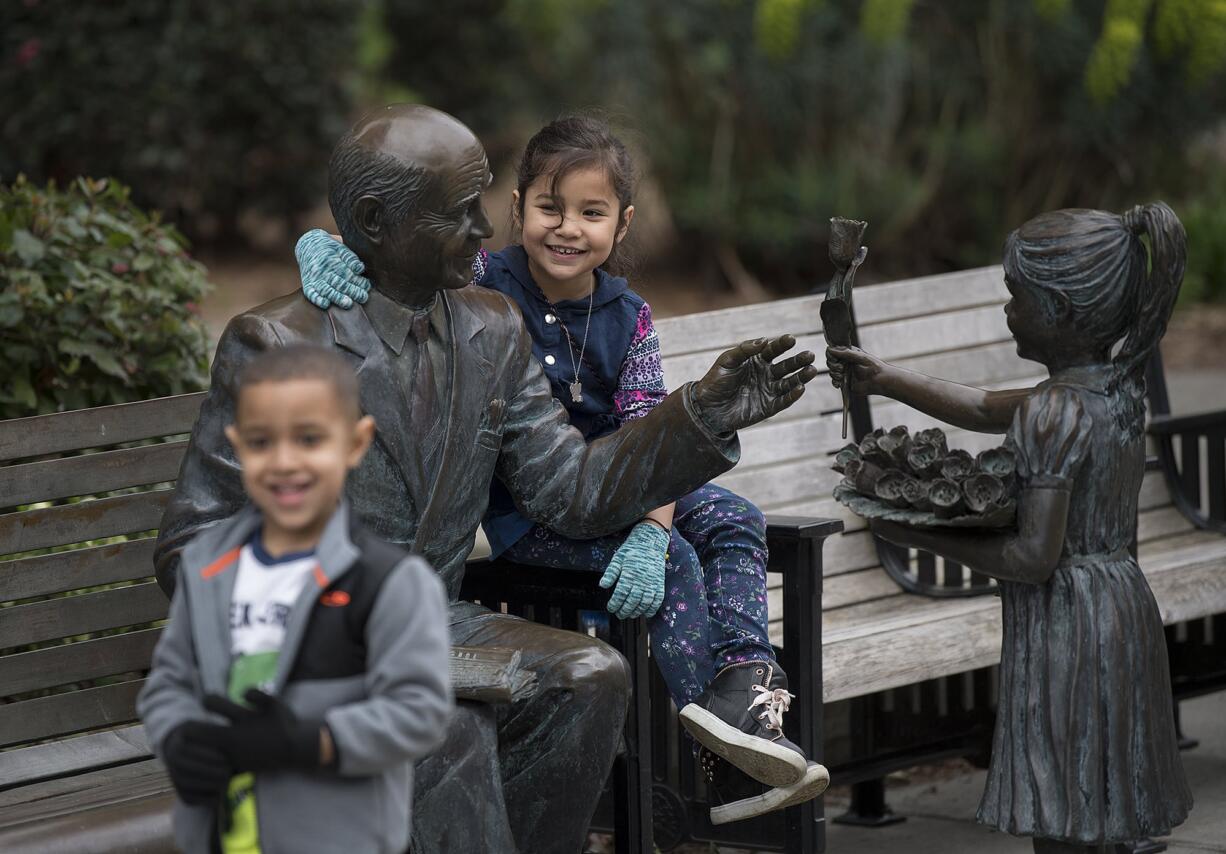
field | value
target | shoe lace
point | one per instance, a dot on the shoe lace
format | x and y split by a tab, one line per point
776	701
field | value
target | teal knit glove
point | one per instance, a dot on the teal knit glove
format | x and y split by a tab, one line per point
331	274
637	568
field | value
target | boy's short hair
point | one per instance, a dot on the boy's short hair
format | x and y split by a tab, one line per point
304	362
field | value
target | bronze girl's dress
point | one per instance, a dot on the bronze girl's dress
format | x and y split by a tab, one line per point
1085	748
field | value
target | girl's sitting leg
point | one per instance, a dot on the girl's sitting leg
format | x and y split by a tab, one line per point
728	534
679	641
739	717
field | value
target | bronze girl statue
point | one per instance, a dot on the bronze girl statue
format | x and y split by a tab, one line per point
1084	756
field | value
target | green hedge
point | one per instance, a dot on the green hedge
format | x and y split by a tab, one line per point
98	301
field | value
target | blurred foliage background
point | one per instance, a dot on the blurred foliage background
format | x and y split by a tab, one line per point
99	302
944	124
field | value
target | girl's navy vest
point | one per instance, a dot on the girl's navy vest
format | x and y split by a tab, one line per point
615	311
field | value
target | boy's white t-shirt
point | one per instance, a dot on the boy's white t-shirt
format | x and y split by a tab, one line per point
265	591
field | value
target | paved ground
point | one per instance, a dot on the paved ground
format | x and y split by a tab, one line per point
941	816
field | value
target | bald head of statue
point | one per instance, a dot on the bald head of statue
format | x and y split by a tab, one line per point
405	187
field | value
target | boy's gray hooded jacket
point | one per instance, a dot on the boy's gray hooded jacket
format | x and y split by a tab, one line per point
366	652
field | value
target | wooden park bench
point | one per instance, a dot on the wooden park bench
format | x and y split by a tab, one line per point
905	676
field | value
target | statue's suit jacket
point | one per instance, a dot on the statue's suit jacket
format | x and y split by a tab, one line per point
500	419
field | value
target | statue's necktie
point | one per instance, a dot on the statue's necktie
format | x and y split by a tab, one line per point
425	393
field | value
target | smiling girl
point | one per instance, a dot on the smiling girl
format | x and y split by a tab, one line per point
697	568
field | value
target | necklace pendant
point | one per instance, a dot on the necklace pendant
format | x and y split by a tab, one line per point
576	391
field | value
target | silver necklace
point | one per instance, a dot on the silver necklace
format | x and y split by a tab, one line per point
576	387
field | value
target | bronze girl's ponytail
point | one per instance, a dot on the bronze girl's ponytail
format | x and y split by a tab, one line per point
1153	301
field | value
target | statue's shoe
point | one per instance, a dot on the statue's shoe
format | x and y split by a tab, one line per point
740	719
738	796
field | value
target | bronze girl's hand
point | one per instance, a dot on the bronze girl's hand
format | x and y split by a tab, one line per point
860	371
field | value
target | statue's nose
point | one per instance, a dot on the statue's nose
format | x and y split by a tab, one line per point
481	225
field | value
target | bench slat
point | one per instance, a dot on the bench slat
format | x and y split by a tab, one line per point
875	303
127	808
91	473
77	662
74	711
782	482
854	587
74	755
837	592
904	654
776	441
45	575
927	295
694	333
88	520
93	428
936	333
871	647
78	615
66	778
1160	523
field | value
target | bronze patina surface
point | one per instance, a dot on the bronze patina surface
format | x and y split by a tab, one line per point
1084	756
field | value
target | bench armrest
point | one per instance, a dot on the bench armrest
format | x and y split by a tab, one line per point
1166	425
791	541
808	527
1182	472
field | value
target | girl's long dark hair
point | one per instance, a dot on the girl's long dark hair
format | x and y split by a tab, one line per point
1116	288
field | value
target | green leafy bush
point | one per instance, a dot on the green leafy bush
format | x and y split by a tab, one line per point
207	109
98	301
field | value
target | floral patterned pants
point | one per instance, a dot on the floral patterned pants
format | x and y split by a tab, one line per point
714	611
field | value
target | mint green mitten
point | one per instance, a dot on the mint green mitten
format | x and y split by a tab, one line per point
637	568
331	273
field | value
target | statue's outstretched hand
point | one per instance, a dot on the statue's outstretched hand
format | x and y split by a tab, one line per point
331	273
746	385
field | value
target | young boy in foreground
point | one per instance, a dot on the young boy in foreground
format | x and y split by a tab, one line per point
305	663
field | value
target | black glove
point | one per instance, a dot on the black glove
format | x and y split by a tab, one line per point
747	385
265	737
199	770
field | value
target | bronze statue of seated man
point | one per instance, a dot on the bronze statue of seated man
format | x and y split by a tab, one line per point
448	374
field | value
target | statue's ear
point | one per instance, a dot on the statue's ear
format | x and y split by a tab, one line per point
1061	305
368	216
